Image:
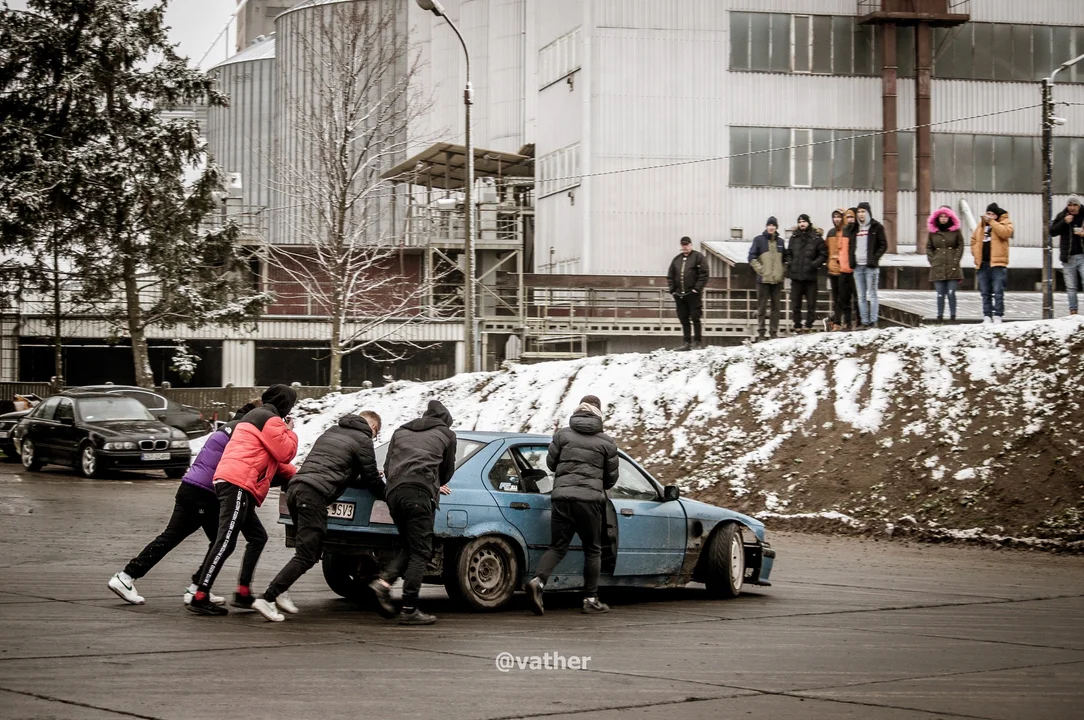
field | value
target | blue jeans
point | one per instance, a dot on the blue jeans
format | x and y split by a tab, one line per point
865	283
1073	271
946	288
992	287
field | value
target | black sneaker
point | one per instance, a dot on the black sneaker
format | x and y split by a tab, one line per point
242	601
534	596
383	598
417	617
685	347
698	345
593	606
206	607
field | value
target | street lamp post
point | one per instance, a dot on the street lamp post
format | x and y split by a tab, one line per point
1048	184
437	9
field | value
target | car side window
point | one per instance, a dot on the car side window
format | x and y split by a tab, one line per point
504	475
533	457
64	410
632	485
46	409
149	400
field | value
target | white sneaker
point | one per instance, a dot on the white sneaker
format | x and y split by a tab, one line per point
285	604
997	320
125	591
987	320
191	591
268	610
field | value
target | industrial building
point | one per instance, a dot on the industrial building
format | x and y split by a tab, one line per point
607	129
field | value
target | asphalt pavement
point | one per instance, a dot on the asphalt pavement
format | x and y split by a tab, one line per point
850	629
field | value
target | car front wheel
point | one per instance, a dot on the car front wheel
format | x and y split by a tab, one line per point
29	456
486	573
726	562
89	465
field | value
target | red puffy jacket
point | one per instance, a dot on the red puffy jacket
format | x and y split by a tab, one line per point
260	449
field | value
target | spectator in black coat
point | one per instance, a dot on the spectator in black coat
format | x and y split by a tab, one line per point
421	461
343	457
806	255
1069	227
584	460
686	278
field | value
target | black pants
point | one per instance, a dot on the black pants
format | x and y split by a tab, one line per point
308	510
412	508
842	297
768	293
193	508
236	514
575	517
689	310
803	289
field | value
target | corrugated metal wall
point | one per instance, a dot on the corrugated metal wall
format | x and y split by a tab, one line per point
238	362
1038	12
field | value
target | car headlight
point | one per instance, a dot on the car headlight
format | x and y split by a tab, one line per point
119	446
178	444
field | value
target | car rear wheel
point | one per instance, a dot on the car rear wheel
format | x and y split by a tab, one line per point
29	456
89	466
726	562
486	573
176	473
349	576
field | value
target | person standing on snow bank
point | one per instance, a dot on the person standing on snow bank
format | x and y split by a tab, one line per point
839	283
258	454
585	465
421	461
867	245
1069	227
806	254
766	255
686	278
990	250
945	250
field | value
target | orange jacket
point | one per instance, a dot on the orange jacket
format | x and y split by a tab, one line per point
1000	232
260	449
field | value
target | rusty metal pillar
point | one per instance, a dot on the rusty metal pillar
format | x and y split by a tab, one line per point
891	161
924	134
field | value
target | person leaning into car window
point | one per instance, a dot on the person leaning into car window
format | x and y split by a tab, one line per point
195	506
420	462
584	460
343	457
259	453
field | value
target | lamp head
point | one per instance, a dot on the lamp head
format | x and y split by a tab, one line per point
432	6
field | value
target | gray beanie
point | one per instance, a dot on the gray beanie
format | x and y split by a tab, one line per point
1074	200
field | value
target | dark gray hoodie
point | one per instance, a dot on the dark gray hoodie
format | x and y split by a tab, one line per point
422	452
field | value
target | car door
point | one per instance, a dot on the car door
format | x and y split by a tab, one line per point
40	426
651	533
520	482
65	435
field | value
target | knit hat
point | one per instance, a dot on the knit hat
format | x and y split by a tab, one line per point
993	207
772	221
592	400
805	217
1074	200
590	404
865	206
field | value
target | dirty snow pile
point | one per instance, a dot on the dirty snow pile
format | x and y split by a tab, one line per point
931	429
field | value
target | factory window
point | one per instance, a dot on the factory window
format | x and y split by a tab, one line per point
1017	53
1003	164
559	59
559	170
821	44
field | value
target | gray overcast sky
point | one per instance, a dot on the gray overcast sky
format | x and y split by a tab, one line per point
194	24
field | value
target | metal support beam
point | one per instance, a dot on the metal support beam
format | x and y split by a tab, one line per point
891	161
924	133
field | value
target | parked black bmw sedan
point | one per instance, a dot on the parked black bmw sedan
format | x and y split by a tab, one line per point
171	412
94	432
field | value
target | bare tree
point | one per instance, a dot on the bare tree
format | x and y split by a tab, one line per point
348	106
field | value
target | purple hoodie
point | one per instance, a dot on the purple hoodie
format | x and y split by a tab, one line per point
202	472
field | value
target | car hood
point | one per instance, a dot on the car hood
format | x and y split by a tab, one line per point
123	428
17	415
696	510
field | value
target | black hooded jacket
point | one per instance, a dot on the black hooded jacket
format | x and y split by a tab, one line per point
583	459
806	255
343	457
1068	242
422	452
876	243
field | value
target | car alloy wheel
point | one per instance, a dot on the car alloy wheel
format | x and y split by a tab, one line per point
88	461
30	462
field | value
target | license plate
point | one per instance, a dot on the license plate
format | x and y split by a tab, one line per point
380	513
3	433
341	510
155	456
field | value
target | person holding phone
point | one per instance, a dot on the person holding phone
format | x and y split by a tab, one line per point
990	251
1068	226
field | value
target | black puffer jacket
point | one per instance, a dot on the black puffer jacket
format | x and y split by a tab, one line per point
806	255
583	459
1068	242
342	457
687	273
422	452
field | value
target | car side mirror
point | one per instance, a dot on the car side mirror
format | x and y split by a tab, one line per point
67	420
671	493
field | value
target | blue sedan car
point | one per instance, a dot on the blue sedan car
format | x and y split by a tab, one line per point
491	531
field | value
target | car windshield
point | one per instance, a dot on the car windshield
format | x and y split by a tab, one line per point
463	450
113	408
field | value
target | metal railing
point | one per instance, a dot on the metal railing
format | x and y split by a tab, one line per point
953	7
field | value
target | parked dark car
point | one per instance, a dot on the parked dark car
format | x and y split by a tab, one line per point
95	432
183	417
8	421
